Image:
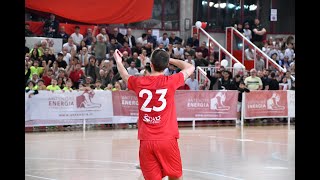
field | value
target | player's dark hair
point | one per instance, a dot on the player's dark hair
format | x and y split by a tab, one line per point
159	59
148	69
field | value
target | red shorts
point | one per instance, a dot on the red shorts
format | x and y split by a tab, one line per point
159	159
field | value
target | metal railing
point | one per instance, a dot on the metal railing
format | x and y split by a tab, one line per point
257	51
212	43
203	80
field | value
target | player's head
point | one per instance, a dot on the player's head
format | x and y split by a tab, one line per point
147	71
159	60
242	84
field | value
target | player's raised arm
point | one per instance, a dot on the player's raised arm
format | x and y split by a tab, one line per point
186	68
122	70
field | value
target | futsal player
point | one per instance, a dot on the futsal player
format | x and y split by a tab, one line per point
159	152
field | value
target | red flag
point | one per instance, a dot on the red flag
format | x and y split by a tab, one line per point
97	11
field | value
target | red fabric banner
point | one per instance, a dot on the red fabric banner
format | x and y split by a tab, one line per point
206	104
37	28
189	104
259	104
96	12
125	103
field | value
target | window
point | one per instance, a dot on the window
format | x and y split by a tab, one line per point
251	11
165	15
220	14
171	14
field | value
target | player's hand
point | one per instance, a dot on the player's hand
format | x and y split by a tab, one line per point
117	56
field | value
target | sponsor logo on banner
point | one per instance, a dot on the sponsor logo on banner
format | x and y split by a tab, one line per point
207	104
125	103
85	100
266	104
273	103
217	103
73	105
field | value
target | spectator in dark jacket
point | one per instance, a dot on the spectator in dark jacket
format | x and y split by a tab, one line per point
273	84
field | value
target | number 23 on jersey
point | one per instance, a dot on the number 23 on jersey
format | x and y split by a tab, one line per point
162	93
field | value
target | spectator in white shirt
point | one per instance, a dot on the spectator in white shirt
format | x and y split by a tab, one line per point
132	70
164	40
129	38
66	55
83	55
247	32
142	39
249	53
192	82
104	34
144	58
178	51
76	36
69	45
266	47
289	52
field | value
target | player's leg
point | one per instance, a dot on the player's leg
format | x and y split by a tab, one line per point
168	154
238	113
150	167
138	165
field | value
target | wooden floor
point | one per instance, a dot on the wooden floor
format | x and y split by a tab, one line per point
208	153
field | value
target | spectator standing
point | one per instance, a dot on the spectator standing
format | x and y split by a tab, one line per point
76	36
100	48
27	31
246	31
258	32
62	34
91	69
273	84
129	38
51	26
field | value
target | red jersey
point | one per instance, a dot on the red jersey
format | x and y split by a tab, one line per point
47	80
157	110
76	75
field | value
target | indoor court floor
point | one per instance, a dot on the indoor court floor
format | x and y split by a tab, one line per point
208	153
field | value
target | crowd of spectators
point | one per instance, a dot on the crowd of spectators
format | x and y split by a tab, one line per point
86	60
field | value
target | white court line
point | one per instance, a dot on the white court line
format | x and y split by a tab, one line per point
39	177
190	170
59	140
55	169
86	160
276	167
274	156
221	175
265	142
249	140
